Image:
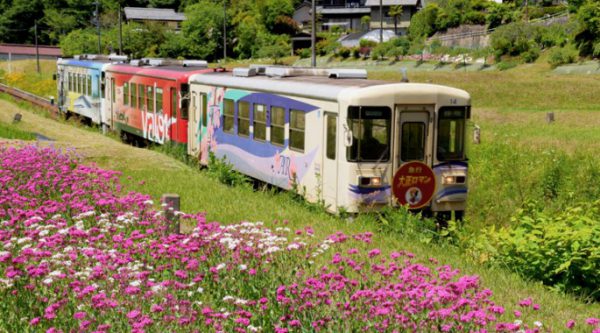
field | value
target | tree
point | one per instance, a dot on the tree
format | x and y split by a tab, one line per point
365	21
203	27
423	23
79	42
395	12
588	36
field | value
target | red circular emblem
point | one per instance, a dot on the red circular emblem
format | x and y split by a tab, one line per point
414	184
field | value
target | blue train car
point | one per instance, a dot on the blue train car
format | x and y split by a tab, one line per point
80	82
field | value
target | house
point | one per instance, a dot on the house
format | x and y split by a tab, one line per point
401	22
165	16
350	14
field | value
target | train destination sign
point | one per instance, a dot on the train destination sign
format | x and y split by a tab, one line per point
414	184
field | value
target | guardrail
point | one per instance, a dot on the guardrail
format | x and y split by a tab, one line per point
29	97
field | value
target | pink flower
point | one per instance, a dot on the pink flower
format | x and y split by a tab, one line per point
374	253
133	314
79	315
592	321
536	307
517	313
34	321
570	324
525	302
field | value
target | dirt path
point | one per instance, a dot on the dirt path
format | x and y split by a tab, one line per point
93	146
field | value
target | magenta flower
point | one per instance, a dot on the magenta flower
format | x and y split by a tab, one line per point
79	315
133	314
570	324
592	321
374	253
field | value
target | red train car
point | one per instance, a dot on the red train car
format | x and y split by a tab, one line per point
148	99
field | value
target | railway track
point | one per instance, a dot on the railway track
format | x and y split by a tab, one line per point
31	98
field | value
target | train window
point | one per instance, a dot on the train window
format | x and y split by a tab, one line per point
150	98
70	81
101	85
297	125
89	85
228	115
331	135
194	106
243	118
204	105
371	131
159	102
185	101
112	90
126	93
451	134
260	122
174	102
134	98
141	99
277	125
412	145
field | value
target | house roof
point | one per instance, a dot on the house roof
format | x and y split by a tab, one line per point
375	3
156	14
24	49
343	10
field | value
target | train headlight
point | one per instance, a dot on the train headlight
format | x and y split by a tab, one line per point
447	180
450	180
370	181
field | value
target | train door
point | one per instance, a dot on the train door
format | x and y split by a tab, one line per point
192	125
329	176
413	134
174	114
111	103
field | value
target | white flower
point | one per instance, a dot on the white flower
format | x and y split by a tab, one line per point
227	299
253	329
55	273
135	283
47	281
44	233
518	322
157	288
220	266
537	324
200	290
149	202
242	267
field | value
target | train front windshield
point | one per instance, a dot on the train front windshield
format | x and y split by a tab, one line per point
451	134
371	127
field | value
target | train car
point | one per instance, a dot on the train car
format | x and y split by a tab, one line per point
147	99
335	137
80	83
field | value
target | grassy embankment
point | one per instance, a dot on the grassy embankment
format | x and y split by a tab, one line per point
509	106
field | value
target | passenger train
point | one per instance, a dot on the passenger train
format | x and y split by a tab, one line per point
334	136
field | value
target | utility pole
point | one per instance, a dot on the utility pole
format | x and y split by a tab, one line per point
37	50
120	32
526	10
313	35
224	31
97	15
381	21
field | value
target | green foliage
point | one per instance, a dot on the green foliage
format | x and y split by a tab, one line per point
531	54
588	36
223	171
204	29
367	43
79	42
12	131
423	23
344	52
562	249
273	46
513	39
563	55
273	12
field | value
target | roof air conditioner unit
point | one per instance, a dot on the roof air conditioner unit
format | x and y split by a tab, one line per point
244	72
347	73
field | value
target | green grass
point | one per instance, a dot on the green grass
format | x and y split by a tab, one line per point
23	74
13	131
514	163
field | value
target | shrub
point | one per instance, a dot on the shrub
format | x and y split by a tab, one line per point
344	52
562	250
356	52
562	56
367	43
504	65
531	55
513	39
303	53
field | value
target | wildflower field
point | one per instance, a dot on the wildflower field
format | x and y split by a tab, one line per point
78	255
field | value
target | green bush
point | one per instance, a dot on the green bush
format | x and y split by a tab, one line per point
303	53
563	55
344	52
367	43
356	52
12	131
504	65
514	39
561	250
531	55
223	171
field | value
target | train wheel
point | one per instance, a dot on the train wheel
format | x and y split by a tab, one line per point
442	218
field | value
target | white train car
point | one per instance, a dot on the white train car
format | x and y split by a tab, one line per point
335	137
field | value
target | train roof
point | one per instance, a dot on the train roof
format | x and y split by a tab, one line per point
317	86
170	72
95	64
